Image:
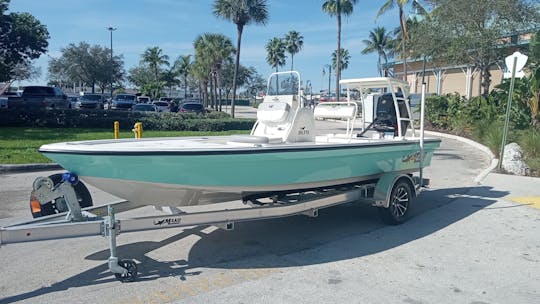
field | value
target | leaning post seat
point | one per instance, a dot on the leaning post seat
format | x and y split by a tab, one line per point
338	110
335	110
273	112
271	126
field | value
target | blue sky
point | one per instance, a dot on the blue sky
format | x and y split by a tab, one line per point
174	24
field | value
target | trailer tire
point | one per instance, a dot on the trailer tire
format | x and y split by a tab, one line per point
399	204
83	196
130	275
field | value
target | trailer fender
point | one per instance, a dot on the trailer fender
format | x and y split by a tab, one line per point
384	186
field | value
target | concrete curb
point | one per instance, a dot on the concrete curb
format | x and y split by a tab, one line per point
28	167
494	161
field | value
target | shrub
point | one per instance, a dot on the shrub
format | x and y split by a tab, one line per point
441	110
238	102
530	142
66	118
493	137
482	109
520	112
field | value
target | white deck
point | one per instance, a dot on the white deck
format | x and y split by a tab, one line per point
173	144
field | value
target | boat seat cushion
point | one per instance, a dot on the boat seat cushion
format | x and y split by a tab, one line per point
273	112
255	139
249	139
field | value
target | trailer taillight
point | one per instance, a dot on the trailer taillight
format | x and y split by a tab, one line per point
35	206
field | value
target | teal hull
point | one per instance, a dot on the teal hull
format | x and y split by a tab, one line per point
251	170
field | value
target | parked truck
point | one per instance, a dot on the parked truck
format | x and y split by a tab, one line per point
34	97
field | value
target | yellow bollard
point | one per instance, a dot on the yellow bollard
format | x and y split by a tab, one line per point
140	129
137	129
116	130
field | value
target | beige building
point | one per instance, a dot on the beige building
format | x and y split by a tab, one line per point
462	79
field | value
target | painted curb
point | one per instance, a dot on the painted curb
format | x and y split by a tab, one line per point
28	167
494	161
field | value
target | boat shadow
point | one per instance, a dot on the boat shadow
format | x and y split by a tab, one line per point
300	241
287	242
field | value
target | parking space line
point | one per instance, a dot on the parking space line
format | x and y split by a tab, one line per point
532	201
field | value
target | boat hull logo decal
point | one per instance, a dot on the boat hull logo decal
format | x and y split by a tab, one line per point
303	131
413	157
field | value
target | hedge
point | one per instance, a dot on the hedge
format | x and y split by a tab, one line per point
239	102
67	118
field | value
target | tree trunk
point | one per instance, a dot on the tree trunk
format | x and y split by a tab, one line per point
220	107
404	37
292	61
338	54
211	91
486	80
218	80
185	87
379	64
215	92
239	28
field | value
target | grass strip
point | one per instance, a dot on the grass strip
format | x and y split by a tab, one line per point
19	145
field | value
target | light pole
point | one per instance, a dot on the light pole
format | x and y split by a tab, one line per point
329	76
111	29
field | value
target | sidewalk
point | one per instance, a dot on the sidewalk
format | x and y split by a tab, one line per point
523	190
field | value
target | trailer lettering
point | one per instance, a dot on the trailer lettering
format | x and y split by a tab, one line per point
167	221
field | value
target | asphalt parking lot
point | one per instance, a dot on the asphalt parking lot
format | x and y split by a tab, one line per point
464	243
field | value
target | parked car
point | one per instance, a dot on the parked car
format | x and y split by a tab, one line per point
162	106
4	98
3	102
91	101
166	99
40	97
191	107
143	99
144	107
73	101
123	102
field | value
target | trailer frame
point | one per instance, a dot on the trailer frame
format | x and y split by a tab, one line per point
79	222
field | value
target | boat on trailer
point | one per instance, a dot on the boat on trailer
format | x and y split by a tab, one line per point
287	165
285	151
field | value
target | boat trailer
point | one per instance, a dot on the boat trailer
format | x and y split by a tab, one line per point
391	192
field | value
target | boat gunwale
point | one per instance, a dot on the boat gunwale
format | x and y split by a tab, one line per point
245	150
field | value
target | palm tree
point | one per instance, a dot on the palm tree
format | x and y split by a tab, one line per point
183	65
380	41
155	58
213	50
200	71
343	63
388	5
294	43
337	8
275	53
241	13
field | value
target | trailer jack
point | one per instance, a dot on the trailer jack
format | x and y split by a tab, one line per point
124	270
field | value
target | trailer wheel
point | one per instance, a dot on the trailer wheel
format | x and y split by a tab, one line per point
59	205
399	205
131	274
